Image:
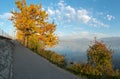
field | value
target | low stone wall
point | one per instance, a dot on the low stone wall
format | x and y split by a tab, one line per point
6	59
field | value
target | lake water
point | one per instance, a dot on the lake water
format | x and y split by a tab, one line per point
75	51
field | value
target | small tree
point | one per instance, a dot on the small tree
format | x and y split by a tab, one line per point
100	60
32	20
99	64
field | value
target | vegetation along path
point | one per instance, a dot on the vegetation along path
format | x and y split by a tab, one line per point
28	65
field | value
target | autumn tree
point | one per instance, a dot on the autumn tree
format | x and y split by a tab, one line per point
19	35
32	20
99	64
100	60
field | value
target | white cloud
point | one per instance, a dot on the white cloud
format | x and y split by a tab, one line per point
70	9
110	17
57	12
5	16
50	12
1	23
61	3
82	11
83	16
96	23
5	23
66	14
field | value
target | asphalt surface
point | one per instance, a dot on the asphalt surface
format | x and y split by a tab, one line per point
28	65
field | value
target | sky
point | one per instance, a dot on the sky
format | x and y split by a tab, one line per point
74	18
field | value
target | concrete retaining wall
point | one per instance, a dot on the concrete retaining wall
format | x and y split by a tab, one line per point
6	59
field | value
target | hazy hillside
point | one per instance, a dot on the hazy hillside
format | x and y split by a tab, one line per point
113	42
75	49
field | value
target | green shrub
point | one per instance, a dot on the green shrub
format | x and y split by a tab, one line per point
58	59
75	68
53	57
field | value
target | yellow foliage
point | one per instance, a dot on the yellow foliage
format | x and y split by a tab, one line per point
33	42
32	20
53	57
20	36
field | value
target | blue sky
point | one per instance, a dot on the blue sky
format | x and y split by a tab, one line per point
74	18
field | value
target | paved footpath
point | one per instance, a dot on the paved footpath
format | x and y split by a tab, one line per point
28	65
